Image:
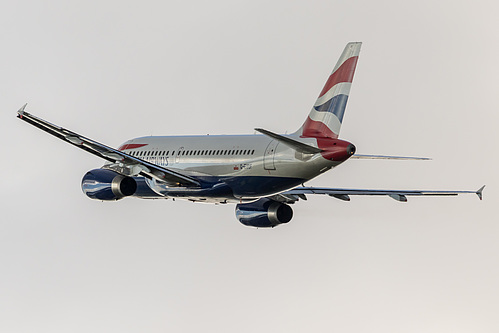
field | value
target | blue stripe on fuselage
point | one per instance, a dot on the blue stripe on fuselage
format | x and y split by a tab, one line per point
260	186
225	187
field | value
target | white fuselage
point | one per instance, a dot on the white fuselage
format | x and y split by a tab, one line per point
251	165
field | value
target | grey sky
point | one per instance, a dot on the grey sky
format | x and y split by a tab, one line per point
112	70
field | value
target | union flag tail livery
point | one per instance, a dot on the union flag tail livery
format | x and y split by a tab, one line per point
260	173
325	118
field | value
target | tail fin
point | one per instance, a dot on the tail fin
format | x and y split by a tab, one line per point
327	114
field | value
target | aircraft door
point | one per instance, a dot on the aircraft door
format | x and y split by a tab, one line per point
179	152
268	157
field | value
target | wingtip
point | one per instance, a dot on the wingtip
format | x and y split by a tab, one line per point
479	192
20	112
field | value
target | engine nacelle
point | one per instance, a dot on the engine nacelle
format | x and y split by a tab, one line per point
264	213
103	184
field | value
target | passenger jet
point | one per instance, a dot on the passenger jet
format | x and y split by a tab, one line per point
260	173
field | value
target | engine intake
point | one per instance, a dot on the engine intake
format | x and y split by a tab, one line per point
103	184
264	213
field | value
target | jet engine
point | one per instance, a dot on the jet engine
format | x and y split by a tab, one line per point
103	184
264	213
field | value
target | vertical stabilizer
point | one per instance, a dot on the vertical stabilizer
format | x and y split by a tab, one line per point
325	118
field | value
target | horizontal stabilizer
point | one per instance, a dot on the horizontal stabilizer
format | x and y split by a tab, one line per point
387	157
296	145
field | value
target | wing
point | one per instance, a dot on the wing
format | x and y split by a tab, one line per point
124	163
295	194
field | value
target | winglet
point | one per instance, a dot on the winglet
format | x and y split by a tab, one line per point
479	192
20	112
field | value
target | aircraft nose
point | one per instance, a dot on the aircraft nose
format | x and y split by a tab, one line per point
351	149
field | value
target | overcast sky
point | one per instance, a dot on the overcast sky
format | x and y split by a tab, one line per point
426	85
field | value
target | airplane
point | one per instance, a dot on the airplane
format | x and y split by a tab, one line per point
260	173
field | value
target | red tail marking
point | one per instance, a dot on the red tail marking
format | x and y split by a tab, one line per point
317	129
333	149
343	74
